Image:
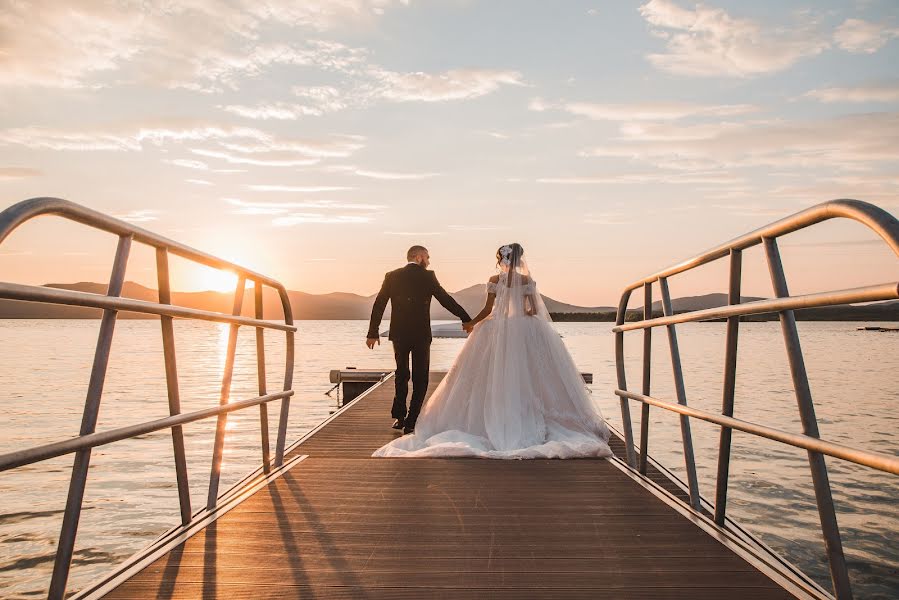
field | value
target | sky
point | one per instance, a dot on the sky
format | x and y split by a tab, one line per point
316	141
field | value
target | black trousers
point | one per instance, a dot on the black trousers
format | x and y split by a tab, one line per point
420	351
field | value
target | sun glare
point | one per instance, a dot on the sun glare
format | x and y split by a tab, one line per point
216	281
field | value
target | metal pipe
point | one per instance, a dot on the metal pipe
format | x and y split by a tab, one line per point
622	382
171	382
285	403
290	358
647	375
219	444
875	218
75	499
826	511
33	293
36	454
260	375
730	382
689	460
871	293
874	460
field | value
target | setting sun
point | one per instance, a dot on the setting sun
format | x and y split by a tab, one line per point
213	280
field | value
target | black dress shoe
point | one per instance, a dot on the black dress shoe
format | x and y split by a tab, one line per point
408	429
399	423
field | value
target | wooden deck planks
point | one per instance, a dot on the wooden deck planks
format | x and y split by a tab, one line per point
343	525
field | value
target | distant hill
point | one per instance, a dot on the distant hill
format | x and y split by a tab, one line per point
877	311
341	305
472	300
688	303
337	305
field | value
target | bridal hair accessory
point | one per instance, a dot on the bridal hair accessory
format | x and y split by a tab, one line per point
505	252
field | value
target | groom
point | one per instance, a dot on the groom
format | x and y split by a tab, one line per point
409	290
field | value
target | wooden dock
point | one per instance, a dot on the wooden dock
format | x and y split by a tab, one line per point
340	524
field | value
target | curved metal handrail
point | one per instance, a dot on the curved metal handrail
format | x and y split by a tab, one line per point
111	303
874	218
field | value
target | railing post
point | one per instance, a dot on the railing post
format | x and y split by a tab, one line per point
66	546
281	443
826	511
260	373
730	382
219	444
647	374
621	371
676	368
171	382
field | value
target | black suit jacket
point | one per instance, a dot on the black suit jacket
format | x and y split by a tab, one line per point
410	290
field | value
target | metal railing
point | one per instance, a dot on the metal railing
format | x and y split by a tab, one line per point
112	303
876	219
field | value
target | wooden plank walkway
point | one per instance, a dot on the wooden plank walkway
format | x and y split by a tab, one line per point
343	525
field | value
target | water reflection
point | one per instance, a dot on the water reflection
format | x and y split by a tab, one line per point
133	482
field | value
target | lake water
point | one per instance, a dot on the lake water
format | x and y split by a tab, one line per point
131	495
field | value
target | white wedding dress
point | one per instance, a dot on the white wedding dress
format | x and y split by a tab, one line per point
512	392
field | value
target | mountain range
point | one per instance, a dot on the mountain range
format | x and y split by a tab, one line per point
336	305
341	305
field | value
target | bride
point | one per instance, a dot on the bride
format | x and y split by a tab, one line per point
514	390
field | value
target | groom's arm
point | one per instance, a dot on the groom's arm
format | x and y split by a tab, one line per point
447	301
377	311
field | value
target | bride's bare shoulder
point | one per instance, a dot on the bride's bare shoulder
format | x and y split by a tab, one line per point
494	279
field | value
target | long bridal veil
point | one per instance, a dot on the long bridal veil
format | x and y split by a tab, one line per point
514	390
531	369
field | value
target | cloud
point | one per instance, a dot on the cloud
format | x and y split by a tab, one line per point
394	176
858	36
264	112
271	161
413	233
189	164
124	137
198	181
336	146
654	111
875	92
139	216
457	84
244	207
708	42
840	142
321	212
320	218
373	174
711	178
318	101
13	173
198	44
539	105
307	189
